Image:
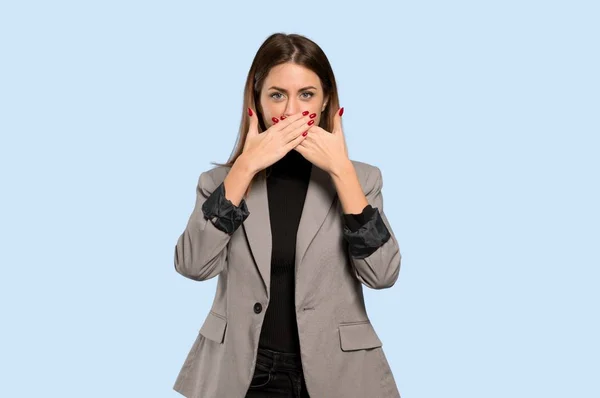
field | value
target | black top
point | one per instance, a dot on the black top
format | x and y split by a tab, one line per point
287	183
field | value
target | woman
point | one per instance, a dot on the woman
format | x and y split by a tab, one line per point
293	228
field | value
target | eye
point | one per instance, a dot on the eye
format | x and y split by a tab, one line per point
310	95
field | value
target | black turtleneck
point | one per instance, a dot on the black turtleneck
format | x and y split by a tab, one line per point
287	182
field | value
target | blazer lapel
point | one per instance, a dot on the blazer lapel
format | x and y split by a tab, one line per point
257	226
319	196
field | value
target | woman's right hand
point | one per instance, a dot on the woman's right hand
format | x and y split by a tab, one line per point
263	149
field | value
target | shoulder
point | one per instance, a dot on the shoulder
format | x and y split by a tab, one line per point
369	175
210	179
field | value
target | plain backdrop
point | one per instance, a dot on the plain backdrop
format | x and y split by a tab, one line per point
482	116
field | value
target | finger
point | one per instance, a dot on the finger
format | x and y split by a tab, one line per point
302	147
292	122
297	128
300	131
284	122
293	143
298	148
253	128
337	121
314	129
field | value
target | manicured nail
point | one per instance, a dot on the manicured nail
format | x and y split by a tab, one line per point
305	113
311	122
274	119
313	115
341	112
249	111
304	134
282	117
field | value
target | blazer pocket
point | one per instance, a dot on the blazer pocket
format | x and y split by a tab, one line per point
358	336
214	327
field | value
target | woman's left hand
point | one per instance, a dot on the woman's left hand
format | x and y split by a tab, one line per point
325	150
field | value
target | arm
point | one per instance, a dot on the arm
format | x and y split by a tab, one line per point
373	249
201	250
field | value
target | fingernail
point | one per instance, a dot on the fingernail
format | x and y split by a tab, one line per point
341	111
305	113
313	115
282	117
274	119
311	122
304	134
249	111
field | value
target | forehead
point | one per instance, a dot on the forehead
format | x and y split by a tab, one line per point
290	75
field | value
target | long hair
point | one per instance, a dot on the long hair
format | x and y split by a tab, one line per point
277	49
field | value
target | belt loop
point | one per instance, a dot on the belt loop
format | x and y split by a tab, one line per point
275	360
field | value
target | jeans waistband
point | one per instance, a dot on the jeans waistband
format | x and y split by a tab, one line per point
276	360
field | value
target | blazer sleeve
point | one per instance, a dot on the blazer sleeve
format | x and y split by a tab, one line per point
373	248
355	221
201	250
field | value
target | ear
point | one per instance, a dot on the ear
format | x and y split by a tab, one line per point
324	104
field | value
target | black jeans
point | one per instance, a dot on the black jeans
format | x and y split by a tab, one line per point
277	374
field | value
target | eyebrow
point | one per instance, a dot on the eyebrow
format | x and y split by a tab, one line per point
285	91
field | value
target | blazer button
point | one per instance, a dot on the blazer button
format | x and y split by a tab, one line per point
257	308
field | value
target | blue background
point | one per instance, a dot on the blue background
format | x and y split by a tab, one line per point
483	117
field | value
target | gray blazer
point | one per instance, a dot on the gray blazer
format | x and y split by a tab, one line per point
341	353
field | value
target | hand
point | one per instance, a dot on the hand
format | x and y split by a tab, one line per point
326	150
263	149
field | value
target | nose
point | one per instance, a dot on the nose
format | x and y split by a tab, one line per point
292	107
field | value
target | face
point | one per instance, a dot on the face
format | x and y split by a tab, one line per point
289	89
